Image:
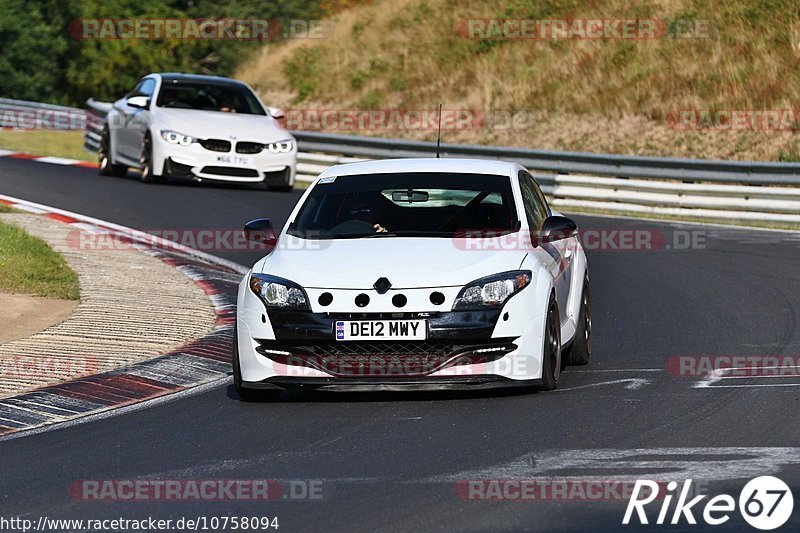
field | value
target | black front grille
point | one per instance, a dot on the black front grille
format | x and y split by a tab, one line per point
216	145
231	171
379	359
246	147
368	348
378	365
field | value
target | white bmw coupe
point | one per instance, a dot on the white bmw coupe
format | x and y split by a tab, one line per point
197	127
414	274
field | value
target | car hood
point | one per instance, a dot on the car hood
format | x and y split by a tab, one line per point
406	262
217	125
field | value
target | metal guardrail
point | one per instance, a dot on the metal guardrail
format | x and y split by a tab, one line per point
690	170
710	189
673	197
21	114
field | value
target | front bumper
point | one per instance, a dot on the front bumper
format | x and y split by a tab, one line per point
196	162
482	349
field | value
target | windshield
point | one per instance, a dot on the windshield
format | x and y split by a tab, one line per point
410	205
209	97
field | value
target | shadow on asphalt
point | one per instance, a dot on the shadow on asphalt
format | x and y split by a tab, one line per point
188	182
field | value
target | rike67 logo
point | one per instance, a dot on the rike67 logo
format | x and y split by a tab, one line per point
765	503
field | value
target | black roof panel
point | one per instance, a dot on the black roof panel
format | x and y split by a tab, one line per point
217	80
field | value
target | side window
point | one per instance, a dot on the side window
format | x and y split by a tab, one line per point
135	90
540	195
143	88
536	209
148	87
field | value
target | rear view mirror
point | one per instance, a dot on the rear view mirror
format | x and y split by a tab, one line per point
556	228
410	196
261	231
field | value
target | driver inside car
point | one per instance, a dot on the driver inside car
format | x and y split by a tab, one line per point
369	215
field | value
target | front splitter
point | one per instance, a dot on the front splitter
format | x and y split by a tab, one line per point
391	384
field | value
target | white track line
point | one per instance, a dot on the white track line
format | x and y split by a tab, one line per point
57	160
722	373
631	384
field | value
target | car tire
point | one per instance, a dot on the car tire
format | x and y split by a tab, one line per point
551	352
146	163
245	394
107	167
581	349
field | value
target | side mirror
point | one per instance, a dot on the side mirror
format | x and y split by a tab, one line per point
276	113
138	102
261	231
556	228
278	116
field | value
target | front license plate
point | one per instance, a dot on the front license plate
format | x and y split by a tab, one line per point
233	160
387	330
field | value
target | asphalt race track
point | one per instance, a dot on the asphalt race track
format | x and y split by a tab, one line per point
394	461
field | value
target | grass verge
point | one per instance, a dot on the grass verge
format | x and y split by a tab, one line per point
29	266
67	144
708	59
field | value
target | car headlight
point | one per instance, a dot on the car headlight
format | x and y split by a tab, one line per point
491	291
281	147
278	293
173	137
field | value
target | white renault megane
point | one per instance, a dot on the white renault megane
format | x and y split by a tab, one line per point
414	274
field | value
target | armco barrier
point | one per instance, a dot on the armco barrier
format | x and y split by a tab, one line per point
21	114
717	190
700	170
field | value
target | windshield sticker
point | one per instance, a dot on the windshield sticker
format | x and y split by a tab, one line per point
327	180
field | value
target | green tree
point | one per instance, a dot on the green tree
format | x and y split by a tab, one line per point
45	56
34	49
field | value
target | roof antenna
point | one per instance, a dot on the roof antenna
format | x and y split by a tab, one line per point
439	132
